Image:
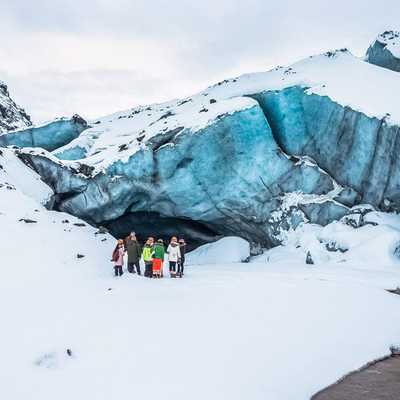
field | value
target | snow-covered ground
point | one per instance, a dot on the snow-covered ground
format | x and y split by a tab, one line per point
263	330
234	331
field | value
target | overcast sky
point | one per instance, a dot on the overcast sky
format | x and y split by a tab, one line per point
96	57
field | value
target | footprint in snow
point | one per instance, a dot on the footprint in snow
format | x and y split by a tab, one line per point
55	359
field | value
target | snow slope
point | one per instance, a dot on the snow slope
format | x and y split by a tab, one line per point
32	237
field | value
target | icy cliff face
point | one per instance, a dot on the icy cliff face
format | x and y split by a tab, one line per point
385	51
253	156
49	136
229	176
11	115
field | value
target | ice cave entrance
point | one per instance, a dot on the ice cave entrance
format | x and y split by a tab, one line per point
147	224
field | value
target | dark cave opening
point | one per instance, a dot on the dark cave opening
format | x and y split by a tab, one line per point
153	224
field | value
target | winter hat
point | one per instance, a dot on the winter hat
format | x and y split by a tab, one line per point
174	239
120	241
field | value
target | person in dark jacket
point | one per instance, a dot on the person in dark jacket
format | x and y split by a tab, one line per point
134	254
128	238
182	248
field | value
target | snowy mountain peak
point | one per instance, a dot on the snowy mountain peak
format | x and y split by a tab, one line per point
389	37
11	115
385	51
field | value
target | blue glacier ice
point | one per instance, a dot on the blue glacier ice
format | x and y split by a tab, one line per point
49	136
72	153
228	177
359	152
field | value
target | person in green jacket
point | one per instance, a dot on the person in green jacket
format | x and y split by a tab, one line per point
148	262
158	258
134	254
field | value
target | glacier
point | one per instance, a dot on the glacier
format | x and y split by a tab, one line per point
253	156
49	136
175	175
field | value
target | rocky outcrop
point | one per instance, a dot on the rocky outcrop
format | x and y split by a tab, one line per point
11	115
385	51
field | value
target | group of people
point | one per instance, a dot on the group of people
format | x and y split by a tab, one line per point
153	254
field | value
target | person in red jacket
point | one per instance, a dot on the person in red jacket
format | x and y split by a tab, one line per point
118	257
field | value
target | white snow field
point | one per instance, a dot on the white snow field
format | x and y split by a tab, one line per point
275	330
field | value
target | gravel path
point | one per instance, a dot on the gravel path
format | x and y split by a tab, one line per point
380	381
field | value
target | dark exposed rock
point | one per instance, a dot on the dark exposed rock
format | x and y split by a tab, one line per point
28	221
83	169
11	115
102	230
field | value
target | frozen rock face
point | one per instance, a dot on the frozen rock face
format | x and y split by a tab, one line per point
385	51
49	136
11	115
359	152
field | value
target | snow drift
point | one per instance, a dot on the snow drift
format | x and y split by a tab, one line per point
224	251
364	238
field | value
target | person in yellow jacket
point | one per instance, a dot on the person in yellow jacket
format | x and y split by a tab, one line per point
148	261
